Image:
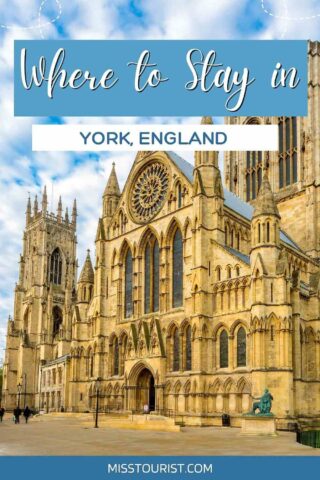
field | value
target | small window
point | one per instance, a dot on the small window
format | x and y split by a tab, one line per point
188	348
229	272
179	195
272	333
57	320
241	347
176	351
218	270
224	350
268	231
116	357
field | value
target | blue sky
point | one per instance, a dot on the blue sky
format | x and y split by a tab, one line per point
84	175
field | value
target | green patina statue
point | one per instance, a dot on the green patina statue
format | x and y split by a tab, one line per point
264	404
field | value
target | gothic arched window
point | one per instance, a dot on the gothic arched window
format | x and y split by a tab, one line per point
57	320
288	151
116	357
188	349
179	195
128	305
253	170
224	350
147	278
151	278
253	174
241	348
91	364
176	351
177	270
56	267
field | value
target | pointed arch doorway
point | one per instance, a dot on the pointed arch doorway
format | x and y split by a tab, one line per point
145	390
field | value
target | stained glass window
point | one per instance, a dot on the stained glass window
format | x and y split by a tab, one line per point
176	351
288	148
128	285
253	174
224	349
177	264
241	347
156	277
147	282
188	348
55	267
151	277
116	357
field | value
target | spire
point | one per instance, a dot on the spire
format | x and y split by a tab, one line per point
206	121
44	200
35	205
28	211
66	217
111	194
59	209
265	203
87	274
112	187
74	212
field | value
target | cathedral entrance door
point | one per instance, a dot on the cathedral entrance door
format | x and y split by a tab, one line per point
145	390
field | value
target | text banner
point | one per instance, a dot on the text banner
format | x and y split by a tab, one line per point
154	137
158	77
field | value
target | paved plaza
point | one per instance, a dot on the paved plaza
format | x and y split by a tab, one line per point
73	435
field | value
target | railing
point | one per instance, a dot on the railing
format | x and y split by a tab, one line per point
310	438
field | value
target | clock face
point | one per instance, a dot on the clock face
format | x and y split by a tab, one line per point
149	191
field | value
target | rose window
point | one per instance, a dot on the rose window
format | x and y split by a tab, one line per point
149	192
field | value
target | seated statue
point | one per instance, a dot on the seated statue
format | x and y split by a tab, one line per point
264	404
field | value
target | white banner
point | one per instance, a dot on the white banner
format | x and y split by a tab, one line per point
154	137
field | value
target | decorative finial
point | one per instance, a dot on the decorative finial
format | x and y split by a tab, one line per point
44	200
59	209
35	205
74	212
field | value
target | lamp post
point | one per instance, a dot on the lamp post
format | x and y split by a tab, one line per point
24	383
19	387
97	387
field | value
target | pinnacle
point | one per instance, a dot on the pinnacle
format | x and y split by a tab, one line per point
87	273
112	187
206	121
265	203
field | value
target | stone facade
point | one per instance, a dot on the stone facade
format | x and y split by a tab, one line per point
197	300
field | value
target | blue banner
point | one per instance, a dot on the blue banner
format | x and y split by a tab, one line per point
160	78
111	468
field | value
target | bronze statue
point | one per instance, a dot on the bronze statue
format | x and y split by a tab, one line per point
264	404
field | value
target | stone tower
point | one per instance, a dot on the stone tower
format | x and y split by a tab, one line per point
40	330
271	307
294	170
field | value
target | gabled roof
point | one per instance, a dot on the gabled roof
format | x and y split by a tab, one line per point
185	167
244	258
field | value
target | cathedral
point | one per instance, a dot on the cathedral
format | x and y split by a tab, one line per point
202	292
